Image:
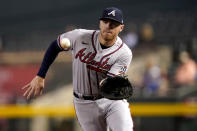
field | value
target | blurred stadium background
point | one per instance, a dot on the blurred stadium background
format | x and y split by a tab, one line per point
161	33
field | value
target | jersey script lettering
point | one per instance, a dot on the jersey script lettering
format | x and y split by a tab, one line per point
89	59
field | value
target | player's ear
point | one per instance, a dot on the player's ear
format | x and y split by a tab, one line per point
121	28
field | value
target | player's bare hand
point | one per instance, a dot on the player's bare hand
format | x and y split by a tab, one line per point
34	88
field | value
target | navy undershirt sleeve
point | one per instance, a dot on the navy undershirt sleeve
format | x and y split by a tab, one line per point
49	57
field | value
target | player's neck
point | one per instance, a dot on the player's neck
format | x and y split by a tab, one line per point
107	43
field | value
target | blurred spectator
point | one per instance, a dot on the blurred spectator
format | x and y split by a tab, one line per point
152	77
130	37
147	38
147	33
186	72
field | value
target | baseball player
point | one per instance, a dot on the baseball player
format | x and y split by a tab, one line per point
96	55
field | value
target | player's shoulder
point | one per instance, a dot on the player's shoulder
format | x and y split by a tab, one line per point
125	49
84	32
78	34
86	35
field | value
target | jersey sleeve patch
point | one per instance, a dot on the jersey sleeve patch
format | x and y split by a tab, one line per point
123	69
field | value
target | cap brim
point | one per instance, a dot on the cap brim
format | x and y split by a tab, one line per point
111	19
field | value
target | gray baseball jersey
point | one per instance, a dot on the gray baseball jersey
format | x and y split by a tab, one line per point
91	63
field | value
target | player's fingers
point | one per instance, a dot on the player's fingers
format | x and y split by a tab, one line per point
36	92
27	91
26	86
30	93
41	91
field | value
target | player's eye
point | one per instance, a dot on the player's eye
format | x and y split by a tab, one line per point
114	24
105	21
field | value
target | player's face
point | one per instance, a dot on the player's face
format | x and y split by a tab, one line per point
110	29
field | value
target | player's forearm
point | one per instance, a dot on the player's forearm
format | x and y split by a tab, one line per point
48	59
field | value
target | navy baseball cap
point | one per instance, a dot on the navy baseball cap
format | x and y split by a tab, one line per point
112	13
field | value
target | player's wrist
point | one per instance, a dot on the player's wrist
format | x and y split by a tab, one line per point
40	77
41	73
